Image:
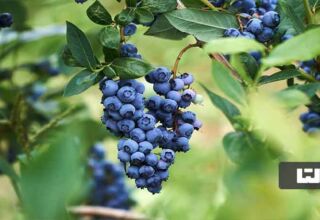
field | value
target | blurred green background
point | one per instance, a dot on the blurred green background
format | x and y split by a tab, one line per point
204	183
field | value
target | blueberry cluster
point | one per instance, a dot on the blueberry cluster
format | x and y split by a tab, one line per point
163	125
6	20
259	22
311	121
108	186
129	50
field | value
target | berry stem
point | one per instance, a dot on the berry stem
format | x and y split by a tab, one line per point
220	58
239	21
310	17
176	64
207	3
122	37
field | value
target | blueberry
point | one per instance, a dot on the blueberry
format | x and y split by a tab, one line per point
112	103
123	156
154	181
139	87
112	126
167	155
154	190
162	115
154	135
126	125
169	105
138	114
138	102
266	35
197	125
256	55
162	74
184	104
137	158
146	171
161	88
183	144
121	144
127	111
110	88
115	115
147	122
80	1
167	137
188	95
174	95
177	84
254	26
261	11
128	50
129	29
163	174
232	32
185	130
247	34
98	151
152	159
145	147
133	172
150	77
130	146
154	102
162	165
248	4
6	20
271	19
188	117
141	183
126	94
217	3
137	135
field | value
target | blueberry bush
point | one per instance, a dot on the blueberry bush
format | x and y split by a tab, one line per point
143	74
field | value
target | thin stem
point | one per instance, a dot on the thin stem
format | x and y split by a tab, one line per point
176	64
207	3
308	11
50	125
220	58
122	37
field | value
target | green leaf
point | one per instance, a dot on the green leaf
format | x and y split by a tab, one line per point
80	47
163	29
204	25
282	75
110	54
233	46
110	37
245	65
289	13
68	58
125	17
227	108
302	47
52	180
193	4
292	98
80	82
130	68
309	89
227	84
159	6
98	14
243	147
109	72
131	3
143	16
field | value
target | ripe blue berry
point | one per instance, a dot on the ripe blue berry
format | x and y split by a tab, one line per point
145	147
154	135
127	111
112	103
129	29
162	74
146	171
185	130
151	159
169	105
176	84
109	88
128	50
130	146
6	20
232	32
80	1
271	19
174	95
147	122
167	155
137	135
163	174
188	117
255	26
197	125
266	35
123	156
183	144
137	158
154	102
133	172
161	88
126	125
188	95
126	94
162	165
141	183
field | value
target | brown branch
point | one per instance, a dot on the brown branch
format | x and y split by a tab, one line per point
105	212
176	64
220	58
